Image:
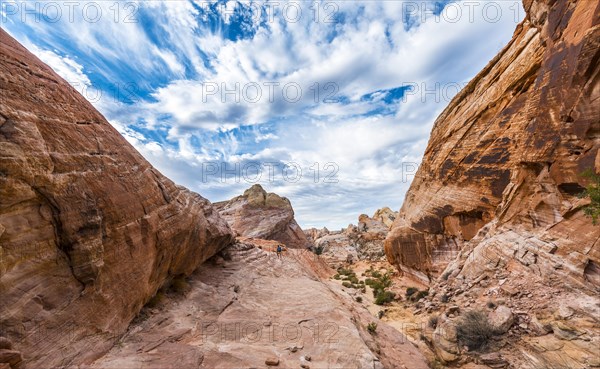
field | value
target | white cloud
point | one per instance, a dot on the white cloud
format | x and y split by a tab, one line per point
371	50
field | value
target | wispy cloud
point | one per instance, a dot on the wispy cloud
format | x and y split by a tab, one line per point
355	85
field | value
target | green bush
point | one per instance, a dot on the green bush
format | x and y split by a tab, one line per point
319	250
358	299
372	327
383	297
419	295
411	291
593	192
337	276
347	284
474	330
345	271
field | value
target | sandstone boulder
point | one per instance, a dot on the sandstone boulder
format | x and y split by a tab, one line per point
501	319
89	229
386	216
258	214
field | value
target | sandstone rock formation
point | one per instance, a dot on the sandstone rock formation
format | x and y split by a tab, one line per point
363	241
89	230
248	309
494	211
258	214
386	216
508	151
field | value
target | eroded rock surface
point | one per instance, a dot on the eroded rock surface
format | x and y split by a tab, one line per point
89	230
493	217
511	147
258	214
363	241
248	309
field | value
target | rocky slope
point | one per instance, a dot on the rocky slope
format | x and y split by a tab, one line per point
89	230
258	214
493	221
241	310
509	149
363	241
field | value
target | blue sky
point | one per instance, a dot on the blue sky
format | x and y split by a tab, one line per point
328	103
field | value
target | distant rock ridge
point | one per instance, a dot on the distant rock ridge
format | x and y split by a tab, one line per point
364	241
258	214
89	230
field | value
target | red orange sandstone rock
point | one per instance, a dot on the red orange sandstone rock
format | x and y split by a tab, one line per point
89	230
258	214
508	152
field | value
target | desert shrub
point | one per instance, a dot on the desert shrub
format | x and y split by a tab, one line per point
383	297
433	321
419	295
347	284
319	250
358	299
353	279
411	291
337	276
593	192
344	271
491	304
446	275
369	281
474	330
372	327
444	298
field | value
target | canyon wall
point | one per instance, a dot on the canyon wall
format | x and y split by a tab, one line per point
503	166
89	230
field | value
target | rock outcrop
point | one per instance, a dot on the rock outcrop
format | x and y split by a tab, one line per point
363	241
503	163
247	308
89	230
494	210
258	214
386	216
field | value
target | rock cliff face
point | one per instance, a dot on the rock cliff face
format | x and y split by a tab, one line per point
503	164
258	214
89	230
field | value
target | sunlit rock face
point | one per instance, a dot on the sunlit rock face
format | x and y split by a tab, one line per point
89	230
258	214
505	157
